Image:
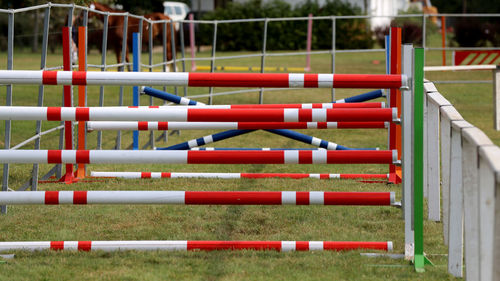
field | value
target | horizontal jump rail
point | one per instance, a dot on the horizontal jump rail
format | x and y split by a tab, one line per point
197	198
198	157
156	113
152	126
173	175
184	245
195	79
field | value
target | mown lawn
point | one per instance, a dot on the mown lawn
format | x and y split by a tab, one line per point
107	222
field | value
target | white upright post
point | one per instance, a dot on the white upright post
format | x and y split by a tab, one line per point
406	158
496	96
455	234
448	114
472	139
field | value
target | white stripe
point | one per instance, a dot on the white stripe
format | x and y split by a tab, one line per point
70	245
207	175
66	197
184	101
325	80
316	198
332	125
68	113
315	141
22	245
133	157
315	176
307	105
23	156
287	246
266	148
64	77
156	175
319	156
135	197
208	139
315	245
290	115
22	197
68	156
319	115
331	146
152	126
328	105
312	125
180	245
341	101
296	80
192	143
335	176
141	113
21	77
137	78
291	156
288	198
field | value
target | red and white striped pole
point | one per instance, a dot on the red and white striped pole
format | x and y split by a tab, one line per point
199	157
197	198
145	126
195	114
173	175
198	79
184	245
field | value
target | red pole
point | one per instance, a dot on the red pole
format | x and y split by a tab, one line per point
80	172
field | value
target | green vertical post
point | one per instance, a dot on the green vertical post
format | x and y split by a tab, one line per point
418	118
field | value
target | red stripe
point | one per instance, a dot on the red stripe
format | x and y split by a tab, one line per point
314	105
80	197
234	245
51	197
271	125
358	156
359	114
348	245
324	176
357	198
284	105
162	125
154	106
322	125
233	197
363	176
305	157
83	157
145	175
357	105
49	77
383	81
241	115
360	125
238	157
133	106
310	80
275	80
317	105
57	245
302	245
82	114
79	78
302	198
166	175
84	246
54	156
53	113
305	115
142	125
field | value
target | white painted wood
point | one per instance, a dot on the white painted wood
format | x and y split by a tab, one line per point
448	113
432	167
437	98
426	146
455	208
489	165
472	138
496	245
496	97
429	87
406	157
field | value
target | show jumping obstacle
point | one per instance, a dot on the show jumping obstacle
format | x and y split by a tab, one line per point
153	175
197	198
183	245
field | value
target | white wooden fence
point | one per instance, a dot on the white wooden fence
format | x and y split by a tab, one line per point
469	180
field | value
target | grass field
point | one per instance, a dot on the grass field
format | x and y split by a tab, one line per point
27	223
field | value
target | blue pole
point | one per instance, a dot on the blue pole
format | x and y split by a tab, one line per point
308	139
205	140
135	68
169	97
363	97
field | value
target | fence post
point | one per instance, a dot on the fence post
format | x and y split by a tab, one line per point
455	239
472	139
448	114
496	96
489	166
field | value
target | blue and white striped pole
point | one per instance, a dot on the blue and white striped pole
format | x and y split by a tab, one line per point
206	140
362	97
169	97
308	139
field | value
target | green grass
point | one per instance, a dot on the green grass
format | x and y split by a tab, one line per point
107	222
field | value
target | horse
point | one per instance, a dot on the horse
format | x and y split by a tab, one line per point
115	29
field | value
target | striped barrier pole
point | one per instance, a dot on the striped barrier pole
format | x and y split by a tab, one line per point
144	125
198	198
233	133
184	245
157	175
197	114
197	79
198	157
352	102
362	97
251	148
